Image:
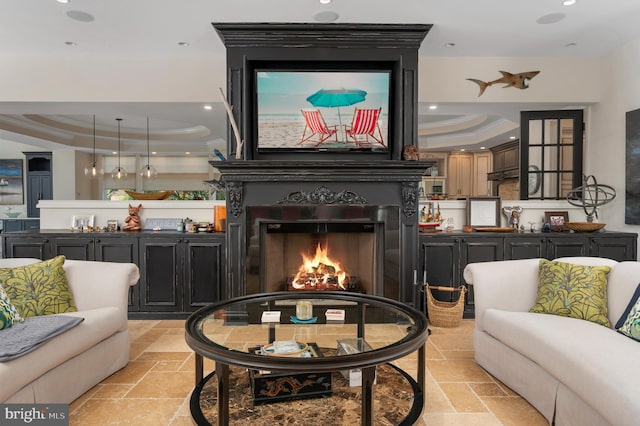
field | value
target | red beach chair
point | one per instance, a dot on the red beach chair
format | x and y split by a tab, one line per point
365	123
314	122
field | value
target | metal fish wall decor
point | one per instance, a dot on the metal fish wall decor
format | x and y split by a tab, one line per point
521	80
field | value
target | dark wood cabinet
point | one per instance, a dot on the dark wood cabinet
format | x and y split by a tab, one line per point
39	180
179	273
444	256
13	225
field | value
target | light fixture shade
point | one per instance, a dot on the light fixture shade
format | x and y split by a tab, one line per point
148	172
92	171
119	173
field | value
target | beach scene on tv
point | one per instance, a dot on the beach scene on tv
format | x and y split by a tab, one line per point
323	110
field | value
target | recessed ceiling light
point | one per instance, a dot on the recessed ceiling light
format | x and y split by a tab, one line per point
78	15
70	43
512	137
183	44
327	16
462	150
450	45
154	152
433	106
187	153
564	3
208	107
483	147
325	1
551	18
63	1
114	152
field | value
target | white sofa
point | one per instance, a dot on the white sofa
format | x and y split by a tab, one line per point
71	363
573	371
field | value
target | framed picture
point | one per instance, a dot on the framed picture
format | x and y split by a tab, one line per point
483	212
11	188
82	221
557	220
112	226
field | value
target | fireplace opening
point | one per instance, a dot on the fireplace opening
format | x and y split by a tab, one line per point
318	256
364	239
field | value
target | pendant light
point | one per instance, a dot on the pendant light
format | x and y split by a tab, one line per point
119	172
92	170
148	171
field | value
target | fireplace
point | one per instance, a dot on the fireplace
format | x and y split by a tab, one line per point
350	248
331	200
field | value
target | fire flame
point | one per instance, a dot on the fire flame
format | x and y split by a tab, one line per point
318	270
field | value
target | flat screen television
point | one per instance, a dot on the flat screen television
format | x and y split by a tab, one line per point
309	110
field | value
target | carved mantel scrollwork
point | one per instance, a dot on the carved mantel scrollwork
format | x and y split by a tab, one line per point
409	198
234	197
323	195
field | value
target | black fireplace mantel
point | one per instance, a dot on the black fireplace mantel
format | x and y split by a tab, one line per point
323	170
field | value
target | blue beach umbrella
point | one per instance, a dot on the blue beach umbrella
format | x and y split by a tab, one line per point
335	98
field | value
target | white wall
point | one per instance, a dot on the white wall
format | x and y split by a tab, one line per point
605	148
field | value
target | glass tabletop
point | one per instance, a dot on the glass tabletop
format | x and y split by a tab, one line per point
306	331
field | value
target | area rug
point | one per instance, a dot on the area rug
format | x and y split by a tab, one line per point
393	400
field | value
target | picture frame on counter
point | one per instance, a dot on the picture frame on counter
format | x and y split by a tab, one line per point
483	212
81	221
112	226
557	220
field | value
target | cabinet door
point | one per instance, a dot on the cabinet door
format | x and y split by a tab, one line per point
616	248
525	247
121	250
160	274
440	259
80	248
12	225
460	175
567	246
34	247
203	273
39	187
482	165
473	250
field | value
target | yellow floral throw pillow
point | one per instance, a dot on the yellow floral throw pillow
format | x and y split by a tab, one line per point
574	291
38	289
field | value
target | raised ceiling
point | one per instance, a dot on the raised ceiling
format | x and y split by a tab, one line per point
497	28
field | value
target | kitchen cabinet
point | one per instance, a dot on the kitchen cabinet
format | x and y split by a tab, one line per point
482	166
460	175
444	255
39	180
12	225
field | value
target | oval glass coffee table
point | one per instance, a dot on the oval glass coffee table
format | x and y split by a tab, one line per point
262	333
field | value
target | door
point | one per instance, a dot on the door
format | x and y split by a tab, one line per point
80	248
440	260
203	273
122	250
160	274
473	250
525	247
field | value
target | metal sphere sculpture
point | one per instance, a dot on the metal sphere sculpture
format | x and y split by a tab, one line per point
590	196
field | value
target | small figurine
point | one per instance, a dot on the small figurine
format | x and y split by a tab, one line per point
423	215
132	222
410	153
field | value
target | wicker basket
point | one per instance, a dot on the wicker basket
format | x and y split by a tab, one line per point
445	314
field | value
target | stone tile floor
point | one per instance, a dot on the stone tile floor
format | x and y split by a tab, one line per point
154	388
